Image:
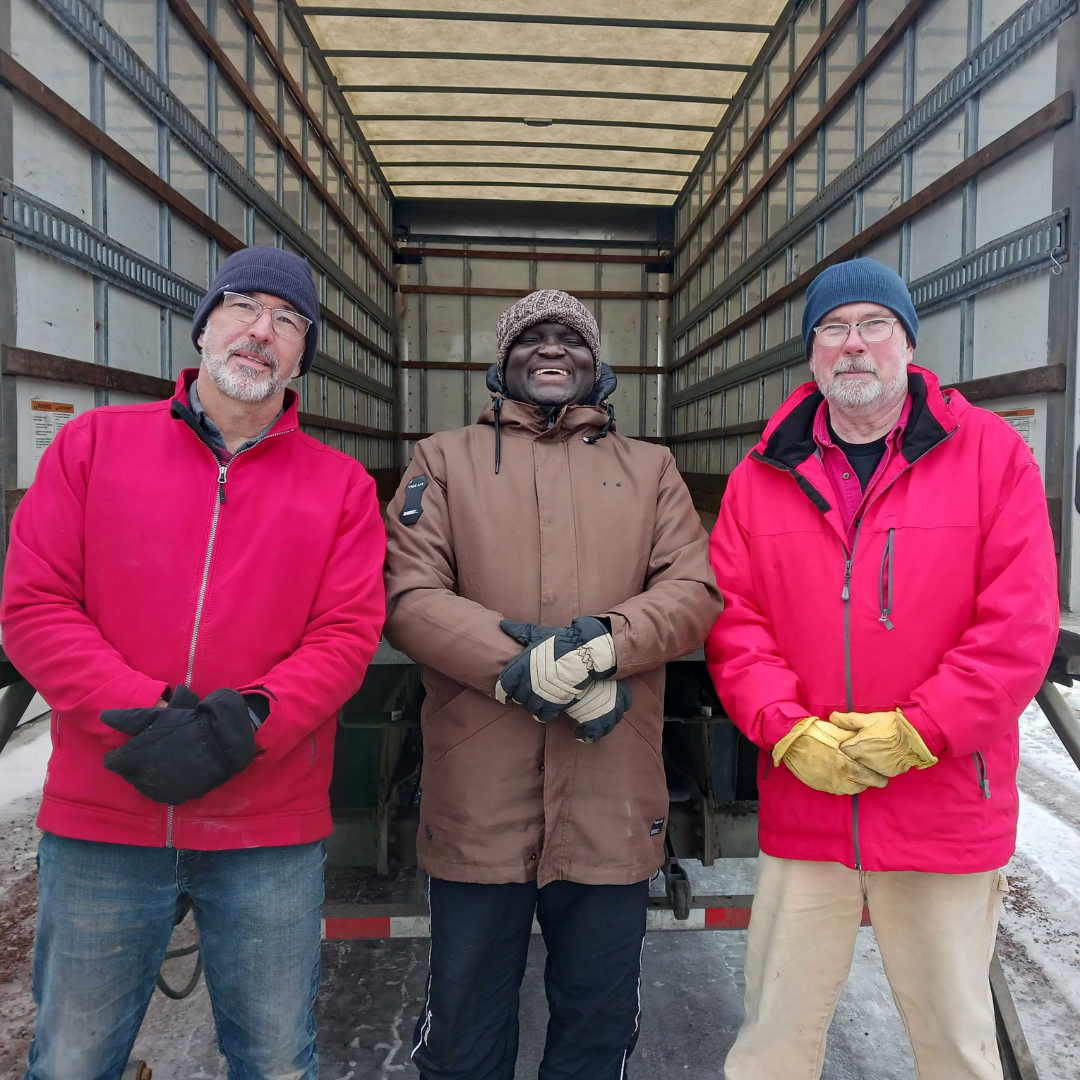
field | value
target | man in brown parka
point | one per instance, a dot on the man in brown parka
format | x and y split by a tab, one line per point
541	512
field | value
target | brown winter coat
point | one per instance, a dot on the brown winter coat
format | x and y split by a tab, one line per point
566	528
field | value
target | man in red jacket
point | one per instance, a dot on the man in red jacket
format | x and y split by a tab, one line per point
891	608
195	587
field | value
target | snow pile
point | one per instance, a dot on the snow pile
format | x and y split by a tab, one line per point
23	768
1039	942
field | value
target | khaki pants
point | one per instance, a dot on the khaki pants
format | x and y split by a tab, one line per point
936	935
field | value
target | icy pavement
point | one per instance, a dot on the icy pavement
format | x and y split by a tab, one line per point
1039	939
691	982
22	772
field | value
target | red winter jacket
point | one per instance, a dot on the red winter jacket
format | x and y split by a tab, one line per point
136	562
955	531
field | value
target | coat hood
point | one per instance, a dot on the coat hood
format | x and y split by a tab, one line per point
596	416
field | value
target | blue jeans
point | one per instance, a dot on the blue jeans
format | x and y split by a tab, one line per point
105	916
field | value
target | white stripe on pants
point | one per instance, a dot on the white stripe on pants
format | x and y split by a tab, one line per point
936	934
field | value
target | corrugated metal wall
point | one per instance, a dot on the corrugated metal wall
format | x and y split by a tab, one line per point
161	137
142	140
933	136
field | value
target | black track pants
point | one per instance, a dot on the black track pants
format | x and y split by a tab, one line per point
479	945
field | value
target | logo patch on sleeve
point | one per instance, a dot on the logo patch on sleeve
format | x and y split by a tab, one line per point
414	493
657	825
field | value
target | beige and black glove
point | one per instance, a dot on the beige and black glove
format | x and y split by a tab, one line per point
883	741
599	709
557	666
813	751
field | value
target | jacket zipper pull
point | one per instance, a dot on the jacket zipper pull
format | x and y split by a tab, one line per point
222	473
845	593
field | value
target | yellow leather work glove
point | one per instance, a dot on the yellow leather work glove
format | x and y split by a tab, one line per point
812	751
883	741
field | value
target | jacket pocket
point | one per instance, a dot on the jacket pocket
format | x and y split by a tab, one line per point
311	736
463	716
646	715
981	773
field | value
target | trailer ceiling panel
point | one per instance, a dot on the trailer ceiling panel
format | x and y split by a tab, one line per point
591	101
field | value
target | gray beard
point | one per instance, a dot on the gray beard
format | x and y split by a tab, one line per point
863	395
235	382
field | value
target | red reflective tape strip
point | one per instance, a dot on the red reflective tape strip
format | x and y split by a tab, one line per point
348	929
727	918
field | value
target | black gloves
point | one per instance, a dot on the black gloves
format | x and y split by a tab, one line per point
186	750
566	669
557	665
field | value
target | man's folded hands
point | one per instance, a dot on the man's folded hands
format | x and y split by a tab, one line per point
852	751
186	750
884	741
566	669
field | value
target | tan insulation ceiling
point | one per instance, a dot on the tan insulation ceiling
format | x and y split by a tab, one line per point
607	101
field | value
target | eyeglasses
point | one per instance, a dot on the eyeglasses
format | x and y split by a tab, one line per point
288	325
869	330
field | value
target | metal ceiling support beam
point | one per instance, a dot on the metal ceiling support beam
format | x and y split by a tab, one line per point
529	58
526	91
527	165
494	222
622	148
398	185
525	256
535	19
582	294
460	119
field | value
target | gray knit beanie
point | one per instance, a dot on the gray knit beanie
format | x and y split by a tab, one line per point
268	270
547	305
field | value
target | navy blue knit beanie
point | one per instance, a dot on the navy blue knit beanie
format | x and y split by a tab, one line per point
857	281
268	270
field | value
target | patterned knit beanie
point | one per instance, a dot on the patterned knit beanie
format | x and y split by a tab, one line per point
547	305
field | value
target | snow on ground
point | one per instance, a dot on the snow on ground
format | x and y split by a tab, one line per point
22	772
23	769
1039	940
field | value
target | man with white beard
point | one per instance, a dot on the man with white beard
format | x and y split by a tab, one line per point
890	596
195	587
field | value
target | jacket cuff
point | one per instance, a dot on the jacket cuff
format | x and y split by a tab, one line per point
920	720
630	658
776	720
259	701
146	693
258	707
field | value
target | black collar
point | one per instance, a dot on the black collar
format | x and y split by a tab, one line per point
792	441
